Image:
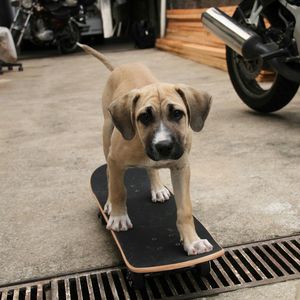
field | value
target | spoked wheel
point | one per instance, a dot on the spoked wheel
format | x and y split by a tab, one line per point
257	85
70	37
136	280
15	35
204	268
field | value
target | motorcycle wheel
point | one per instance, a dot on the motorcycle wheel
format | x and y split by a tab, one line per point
69	45
244	76
15	36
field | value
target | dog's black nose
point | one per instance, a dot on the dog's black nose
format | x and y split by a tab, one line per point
164	148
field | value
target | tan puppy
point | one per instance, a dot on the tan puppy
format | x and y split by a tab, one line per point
153	122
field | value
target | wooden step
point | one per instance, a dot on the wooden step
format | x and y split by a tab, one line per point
194	14
186	36
204	54
199	37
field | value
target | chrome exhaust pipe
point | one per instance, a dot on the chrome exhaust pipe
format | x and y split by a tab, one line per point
241	39
247	43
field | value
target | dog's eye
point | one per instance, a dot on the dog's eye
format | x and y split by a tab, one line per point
146	118
176	114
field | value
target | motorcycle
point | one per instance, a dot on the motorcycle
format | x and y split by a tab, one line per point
46	22
261	36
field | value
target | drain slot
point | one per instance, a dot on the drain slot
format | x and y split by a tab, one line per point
280	259
288	256
219	273
242	266
292	248
253	270
230	271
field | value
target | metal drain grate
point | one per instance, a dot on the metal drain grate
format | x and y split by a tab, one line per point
242	266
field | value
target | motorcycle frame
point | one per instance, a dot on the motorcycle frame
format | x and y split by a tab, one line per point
29	13
293	9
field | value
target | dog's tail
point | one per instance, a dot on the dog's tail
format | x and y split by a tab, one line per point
98	55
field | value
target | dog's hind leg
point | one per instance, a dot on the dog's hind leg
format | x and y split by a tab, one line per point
159	193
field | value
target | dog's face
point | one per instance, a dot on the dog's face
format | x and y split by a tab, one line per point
161	120
161	114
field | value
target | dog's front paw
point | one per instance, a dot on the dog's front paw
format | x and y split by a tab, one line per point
160	195
198	247
107	207
119	223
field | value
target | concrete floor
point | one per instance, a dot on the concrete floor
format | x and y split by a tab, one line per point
289	290
245	166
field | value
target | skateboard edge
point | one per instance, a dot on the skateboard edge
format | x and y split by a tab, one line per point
168	267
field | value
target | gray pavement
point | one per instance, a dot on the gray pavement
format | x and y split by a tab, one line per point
289	290
245	166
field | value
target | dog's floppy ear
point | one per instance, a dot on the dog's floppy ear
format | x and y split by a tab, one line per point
197	104
122	113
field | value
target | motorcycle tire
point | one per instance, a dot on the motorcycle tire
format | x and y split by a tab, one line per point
69	45
272	99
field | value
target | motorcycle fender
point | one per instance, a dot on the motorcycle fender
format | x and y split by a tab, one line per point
82	27
74	21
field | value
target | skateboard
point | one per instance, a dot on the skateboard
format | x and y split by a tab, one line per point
153	245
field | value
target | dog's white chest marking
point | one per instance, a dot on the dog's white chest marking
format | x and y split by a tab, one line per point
162	134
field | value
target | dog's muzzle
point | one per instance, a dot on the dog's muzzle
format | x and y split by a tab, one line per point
165	149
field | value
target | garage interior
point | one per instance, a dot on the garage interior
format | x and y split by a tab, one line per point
245	176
